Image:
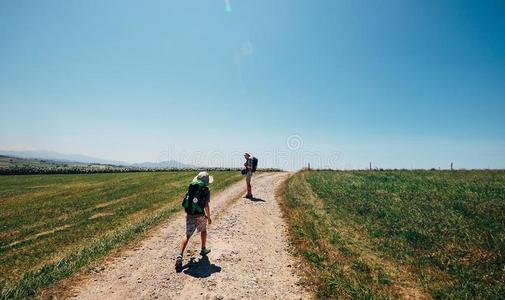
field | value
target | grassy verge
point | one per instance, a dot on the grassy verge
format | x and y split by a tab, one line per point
53	225
421	234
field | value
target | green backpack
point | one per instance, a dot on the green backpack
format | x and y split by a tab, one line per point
196	198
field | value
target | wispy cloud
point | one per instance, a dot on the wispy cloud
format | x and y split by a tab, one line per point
246	50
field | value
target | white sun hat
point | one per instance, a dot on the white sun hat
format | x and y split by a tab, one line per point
205	177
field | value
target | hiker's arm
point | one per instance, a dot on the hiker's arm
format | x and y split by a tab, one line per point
207	207
207	212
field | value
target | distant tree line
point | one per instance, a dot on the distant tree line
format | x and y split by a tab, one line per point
28	170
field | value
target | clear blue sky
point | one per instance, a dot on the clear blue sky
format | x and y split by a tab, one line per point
399	83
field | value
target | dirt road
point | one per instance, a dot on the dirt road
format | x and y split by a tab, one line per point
249	257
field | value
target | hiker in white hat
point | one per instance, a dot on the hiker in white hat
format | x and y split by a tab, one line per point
196	205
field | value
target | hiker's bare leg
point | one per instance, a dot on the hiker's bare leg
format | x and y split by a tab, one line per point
184	243
249	188
204	238
248	183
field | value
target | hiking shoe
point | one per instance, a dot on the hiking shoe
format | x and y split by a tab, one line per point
249	196
204	252
178	263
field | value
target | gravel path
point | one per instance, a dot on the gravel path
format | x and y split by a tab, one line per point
249	257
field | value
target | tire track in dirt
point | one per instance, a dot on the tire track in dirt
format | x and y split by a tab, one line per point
249	257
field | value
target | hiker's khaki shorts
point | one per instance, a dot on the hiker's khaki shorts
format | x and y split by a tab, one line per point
195	222
248	176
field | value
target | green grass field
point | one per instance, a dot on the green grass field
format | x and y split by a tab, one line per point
390	234
53	225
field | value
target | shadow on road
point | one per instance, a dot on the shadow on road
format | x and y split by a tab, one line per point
201	268
254	199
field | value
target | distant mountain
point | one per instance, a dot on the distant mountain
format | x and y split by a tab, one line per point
169	164
78	158
52	155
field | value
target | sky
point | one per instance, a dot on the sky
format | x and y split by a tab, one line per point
338	84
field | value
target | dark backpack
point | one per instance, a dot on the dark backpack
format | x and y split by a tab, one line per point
254	164
195	199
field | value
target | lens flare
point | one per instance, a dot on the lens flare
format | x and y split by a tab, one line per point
227	6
